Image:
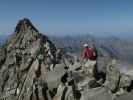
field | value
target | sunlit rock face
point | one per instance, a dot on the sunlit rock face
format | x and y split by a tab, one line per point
19	62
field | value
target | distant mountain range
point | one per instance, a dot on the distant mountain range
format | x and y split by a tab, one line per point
111	46
107	46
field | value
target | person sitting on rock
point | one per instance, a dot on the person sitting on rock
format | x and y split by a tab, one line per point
40	57
89	57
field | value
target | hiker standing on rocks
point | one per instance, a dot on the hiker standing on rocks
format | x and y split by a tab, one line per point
95	71
89	57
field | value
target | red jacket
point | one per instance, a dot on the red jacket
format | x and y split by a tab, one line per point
88	53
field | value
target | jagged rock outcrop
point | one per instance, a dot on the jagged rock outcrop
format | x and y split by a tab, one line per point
24	59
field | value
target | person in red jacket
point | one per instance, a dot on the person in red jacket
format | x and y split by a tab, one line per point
88	53
89	57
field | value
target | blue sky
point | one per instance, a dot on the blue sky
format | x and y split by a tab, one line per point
100	17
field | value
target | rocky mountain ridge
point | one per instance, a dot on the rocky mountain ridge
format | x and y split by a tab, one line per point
19	58
31	68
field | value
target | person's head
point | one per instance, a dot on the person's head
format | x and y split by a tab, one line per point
93	46
85	45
